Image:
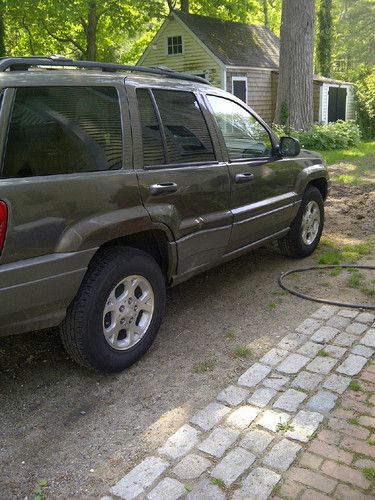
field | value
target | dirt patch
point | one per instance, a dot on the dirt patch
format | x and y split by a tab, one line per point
81	431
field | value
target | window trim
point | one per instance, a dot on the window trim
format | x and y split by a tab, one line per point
273	139
240	79
167	45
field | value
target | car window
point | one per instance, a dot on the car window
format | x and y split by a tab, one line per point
186	132
61	130
153	148
244	136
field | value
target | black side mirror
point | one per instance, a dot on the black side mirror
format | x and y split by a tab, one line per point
289	146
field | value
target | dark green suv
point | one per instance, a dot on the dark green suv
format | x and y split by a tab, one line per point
118	181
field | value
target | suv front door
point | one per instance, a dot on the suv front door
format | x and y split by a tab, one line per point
181	182
262	193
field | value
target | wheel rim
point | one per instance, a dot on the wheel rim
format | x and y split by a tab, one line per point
310	222
128	312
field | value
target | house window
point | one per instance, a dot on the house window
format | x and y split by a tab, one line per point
174	45
239	87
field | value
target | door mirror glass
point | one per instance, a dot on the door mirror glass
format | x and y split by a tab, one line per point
289	146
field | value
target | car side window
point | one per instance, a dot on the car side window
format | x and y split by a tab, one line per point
187	136
63	130
244	136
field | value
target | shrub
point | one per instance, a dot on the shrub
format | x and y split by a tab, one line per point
336	135
365	97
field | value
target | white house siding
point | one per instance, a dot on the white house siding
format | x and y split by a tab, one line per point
259	90
194	58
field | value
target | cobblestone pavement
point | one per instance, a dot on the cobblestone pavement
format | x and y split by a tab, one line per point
296	424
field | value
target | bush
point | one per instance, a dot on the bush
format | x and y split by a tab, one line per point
365	97
336	135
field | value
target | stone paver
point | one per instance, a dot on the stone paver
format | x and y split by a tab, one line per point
293	363
272	420
290	400
139	478
181	442
258	485
356	328
262	428
273	357
254	375
321	364
352	365
191	466
276	381
256	441
369	338
303	425
219	441
325	334
205	490
262	396
167	488
242	417
337	383
322	402
235	463
307	381
282	455
209	416
233	395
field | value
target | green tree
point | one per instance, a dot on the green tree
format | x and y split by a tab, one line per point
325	37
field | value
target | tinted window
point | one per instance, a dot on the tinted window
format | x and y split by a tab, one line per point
58	130
244	136
239	89
153	152
186	132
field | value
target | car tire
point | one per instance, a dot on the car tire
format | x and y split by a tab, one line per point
121	284
306	229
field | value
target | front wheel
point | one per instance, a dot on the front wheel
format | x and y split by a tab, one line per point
306	229
117	312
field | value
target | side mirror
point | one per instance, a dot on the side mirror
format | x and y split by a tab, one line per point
289	146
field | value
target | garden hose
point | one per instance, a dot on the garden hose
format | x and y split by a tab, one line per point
317	299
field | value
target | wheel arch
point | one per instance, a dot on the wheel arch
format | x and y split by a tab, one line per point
321	184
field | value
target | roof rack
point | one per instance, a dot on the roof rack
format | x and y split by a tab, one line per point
24	63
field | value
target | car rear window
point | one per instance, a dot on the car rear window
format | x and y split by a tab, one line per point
62	130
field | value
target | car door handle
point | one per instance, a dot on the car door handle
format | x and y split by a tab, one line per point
164	187
245	177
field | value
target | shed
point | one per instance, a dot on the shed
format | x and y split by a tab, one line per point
240	58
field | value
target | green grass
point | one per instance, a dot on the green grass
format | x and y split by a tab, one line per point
241	352
371	442
329	254
322	353
364	150
353	421
204	366
218	482
355	386
230	335
284	427
355	280
369	473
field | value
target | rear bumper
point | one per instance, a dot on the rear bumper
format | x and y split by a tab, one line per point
35	293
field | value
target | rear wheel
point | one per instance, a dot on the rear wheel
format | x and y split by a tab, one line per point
117	312
306	229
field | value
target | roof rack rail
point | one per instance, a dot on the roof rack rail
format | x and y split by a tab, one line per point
24	63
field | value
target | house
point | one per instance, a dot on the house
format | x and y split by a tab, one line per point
242	59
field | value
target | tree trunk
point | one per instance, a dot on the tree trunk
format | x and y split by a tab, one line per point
295	88
265	11
91	29
185	6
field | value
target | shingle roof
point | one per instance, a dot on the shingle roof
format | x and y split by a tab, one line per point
235	44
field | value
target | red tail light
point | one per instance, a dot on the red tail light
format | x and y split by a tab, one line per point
3	222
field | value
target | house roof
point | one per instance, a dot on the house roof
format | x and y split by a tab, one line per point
235	44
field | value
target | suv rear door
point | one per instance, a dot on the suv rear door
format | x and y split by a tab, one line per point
262	193
182	183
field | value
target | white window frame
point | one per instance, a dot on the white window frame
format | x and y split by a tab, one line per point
240	79
182	45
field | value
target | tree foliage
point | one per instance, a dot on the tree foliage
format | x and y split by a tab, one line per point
325	38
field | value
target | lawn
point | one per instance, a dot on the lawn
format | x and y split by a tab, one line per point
366	149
